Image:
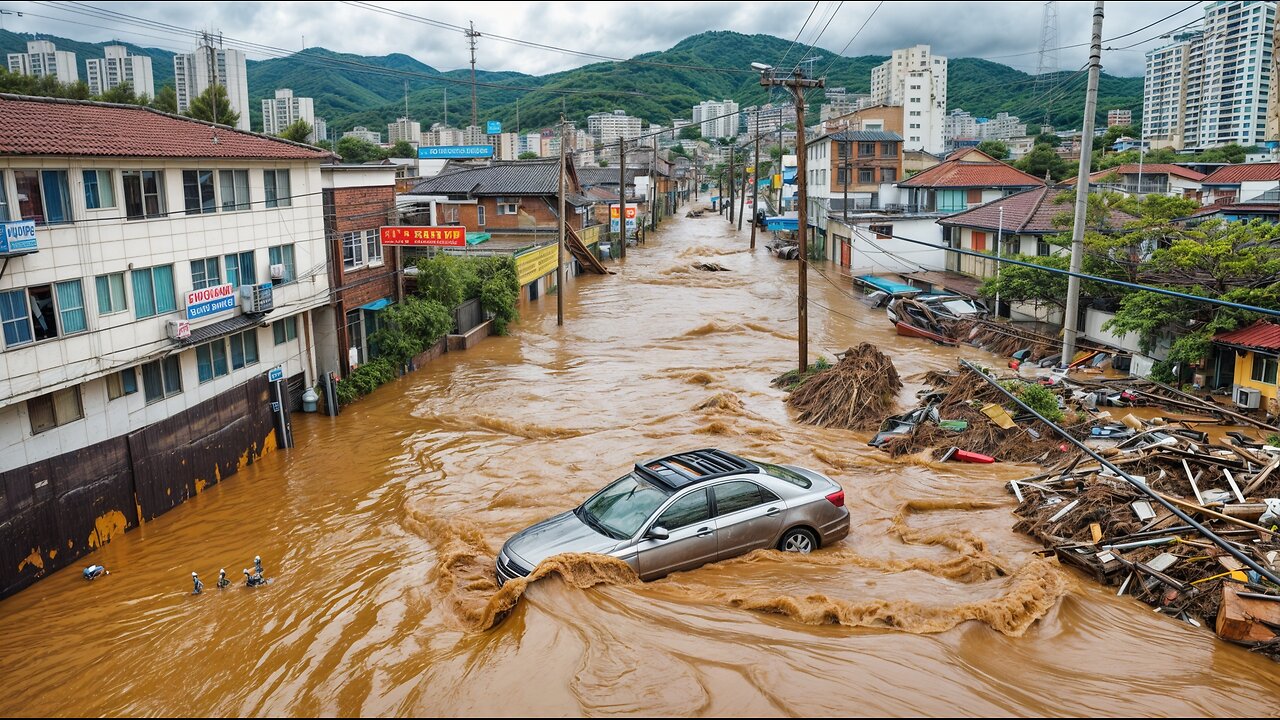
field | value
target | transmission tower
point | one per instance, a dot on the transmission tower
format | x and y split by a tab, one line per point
1048	64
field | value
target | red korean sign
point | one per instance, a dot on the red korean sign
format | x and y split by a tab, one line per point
415	236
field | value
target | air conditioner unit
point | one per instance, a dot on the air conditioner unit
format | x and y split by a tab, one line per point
256	298
178	329
277	271
1248	398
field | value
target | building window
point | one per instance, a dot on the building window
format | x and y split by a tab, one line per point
99	193
205	273
915	113
43	196
162	379
866	149
285	330
276	184
866	175
55	409
979	241
110	293
507	208
355	337
973	196
352	250
14	318
451	214
4	200
480	215
1043	249
71	315
240	270
153	292
122	383
1264	369
883	232
373	244
888	175
211	360
197	191
143	194
244	349
282	255
234	187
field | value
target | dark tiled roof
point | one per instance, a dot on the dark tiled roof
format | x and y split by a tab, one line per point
512	177
960	174
221	328
54	126
1261	335
1030	212
865	136
589	176
1236	174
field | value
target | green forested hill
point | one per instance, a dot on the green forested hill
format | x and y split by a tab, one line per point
354	90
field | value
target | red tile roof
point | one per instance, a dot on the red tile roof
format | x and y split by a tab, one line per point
1146	169
1236	174
1030	211
53	126
958	173
1262	335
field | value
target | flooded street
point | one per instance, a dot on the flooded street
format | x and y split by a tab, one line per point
381	526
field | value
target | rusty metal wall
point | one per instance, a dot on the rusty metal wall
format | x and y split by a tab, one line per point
55	511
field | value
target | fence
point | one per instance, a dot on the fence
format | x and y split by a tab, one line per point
467	316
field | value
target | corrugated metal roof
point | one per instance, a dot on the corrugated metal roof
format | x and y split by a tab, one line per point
221	329
1262	335
519	177
865	136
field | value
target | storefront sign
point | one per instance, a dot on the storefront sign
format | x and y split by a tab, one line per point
493	127
442	152
420	236
613	218
534	264
19	237
210	301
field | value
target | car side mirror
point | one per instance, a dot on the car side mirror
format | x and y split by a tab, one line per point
657	533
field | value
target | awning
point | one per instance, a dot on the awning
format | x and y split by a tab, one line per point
221	329
475	238
376	305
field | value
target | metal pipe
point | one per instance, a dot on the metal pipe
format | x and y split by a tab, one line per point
1206	532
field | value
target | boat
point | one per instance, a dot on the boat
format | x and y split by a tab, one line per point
906	330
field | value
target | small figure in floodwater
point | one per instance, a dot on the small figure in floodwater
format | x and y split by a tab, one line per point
197	587
93	571
257	564
253	579
223	582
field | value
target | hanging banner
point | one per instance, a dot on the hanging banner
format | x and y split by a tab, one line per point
424	236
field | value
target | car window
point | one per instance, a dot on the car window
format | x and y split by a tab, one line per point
782	473
690	509
739	495
621	508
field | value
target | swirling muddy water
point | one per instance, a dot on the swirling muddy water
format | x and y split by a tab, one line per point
380	530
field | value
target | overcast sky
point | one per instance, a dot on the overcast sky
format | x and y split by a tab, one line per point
992	30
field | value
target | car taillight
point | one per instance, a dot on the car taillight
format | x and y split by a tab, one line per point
837	498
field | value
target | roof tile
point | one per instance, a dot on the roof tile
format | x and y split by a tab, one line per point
958	173
1236	174
1262	335
1030	211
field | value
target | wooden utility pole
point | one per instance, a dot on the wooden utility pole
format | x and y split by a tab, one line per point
733	180
1071	319
622	195
796	84
560	243
742	203
755	191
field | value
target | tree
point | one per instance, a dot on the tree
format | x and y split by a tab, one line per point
528	155
1043	158
402	149
355	150
123	94
166	100
215	96
324	144
602	162
690	132
299	131
45	86
994	148
1114	133
1047	139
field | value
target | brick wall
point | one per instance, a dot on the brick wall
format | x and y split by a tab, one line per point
532	211
351	210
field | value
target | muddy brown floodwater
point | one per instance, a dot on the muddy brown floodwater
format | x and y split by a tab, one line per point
380	531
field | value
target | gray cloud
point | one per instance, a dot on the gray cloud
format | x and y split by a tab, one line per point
995	30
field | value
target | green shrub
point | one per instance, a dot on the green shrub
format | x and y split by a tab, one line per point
1042	400
451	280
1162	371
409	327
365	379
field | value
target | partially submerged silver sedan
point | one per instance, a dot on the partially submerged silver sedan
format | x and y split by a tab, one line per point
685	510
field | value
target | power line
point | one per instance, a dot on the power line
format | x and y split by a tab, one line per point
845	49
805	55
799	32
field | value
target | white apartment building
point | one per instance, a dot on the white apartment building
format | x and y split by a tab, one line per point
916	79
363	133
285	109
959	124
1118	116
320	130
439	134
195	72
1211	87
717	119
606	128
506	146
530	142
42	58
1002	127
145	282
769	118
119	67
404	129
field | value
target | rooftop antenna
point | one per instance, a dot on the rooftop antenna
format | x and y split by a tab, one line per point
1048	62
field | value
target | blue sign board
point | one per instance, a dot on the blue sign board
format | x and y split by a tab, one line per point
493	127
275	373
210	301
442	152
19	237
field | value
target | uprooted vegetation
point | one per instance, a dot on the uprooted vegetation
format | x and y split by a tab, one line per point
853	394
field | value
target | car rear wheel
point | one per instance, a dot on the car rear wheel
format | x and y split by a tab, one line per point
798	540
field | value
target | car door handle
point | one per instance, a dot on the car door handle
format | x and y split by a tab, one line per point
705	531
771	512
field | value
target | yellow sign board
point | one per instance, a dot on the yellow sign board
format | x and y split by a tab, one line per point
535	263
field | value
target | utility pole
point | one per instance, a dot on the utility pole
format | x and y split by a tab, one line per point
1072	320
560	244
848	151
796	84
742	204
471	40
622	195
733	180
755	191
999	242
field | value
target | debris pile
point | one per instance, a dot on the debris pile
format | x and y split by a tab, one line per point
1095	520
853	394
710	267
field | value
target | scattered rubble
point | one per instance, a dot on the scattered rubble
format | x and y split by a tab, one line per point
710	267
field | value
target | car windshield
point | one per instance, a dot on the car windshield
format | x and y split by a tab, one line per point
782	473
621	508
